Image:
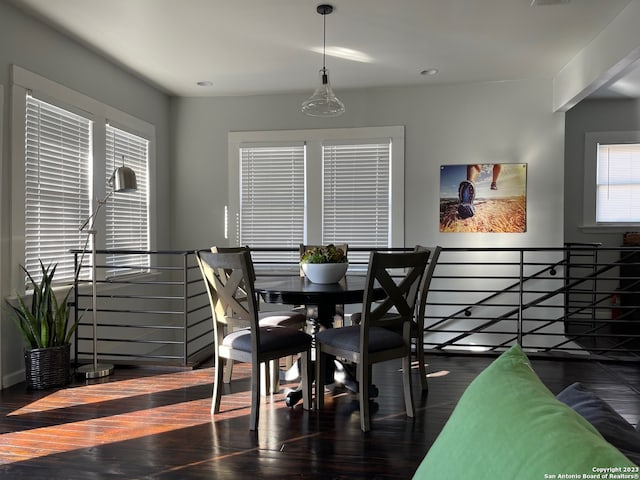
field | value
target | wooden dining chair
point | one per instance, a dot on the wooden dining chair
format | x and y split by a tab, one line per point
283	318
229	282
399	274
417	325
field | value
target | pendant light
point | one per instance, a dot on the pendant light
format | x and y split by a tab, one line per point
323	102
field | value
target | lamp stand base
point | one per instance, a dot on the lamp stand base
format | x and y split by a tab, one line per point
95	371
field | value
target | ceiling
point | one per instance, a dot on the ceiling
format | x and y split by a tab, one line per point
248	47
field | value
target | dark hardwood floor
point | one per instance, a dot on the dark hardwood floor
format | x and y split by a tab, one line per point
149	423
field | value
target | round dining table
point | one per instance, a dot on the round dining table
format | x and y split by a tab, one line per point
320	300
299	290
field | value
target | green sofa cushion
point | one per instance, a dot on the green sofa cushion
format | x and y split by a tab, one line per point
508	425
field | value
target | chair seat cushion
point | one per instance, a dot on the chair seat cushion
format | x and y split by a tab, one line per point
348	338
394	322
284	319
356	317
271	338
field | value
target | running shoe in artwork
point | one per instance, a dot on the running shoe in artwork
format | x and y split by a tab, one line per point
466	194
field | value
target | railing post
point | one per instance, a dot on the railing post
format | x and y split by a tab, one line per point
185	311
520	298
76	299
594	284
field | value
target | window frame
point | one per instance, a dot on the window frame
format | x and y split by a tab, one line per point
314	139
23	81
592	140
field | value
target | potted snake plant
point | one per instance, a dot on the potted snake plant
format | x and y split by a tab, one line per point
45	327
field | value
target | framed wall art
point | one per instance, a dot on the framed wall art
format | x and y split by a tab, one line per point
488	198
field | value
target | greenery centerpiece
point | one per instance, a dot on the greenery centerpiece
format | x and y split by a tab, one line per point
44	325
324	254
324	264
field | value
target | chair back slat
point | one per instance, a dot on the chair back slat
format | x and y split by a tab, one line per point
425	284
385	270
240	249
229	281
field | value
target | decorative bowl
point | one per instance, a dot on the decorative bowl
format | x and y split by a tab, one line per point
325	272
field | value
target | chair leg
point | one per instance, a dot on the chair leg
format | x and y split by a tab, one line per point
274	376
217	386
265	386
320	373
255	395
228	370
269	378
306	373
422	370
364	379
406	382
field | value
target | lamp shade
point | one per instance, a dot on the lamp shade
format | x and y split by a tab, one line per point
124	180
323	102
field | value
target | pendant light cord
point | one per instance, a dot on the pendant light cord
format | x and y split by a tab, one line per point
324	42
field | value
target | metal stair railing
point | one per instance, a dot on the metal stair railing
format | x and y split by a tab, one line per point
512	321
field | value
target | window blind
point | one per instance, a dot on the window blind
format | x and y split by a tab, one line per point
57	186
272	199
356	196
618	183
127	214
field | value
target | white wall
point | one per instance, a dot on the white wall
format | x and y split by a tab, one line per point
31	45
459	124
591	116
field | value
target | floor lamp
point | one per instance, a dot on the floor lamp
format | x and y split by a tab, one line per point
123	179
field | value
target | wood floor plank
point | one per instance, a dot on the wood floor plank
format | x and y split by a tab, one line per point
154	424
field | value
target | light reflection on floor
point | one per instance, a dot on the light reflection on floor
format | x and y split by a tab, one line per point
440	373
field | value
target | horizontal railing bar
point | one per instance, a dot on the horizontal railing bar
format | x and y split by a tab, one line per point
568	294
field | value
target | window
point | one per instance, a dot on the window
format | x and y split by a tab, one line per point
356	195
618	183
317	186
272	198
127	226
57	187
65	147
612	179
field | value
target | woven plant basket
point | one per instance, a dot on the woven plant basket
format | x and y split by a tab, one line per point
47	367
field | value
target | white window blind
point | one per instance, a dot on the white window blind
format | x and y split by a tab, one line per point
272	199
57	186
127	214
618	183
356	195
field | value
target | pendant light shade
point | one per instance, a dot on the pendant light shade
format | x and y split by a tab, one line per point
323	102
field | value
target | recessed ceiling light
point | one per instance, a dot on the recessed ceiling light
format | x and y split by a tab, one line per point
205	83
429	72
